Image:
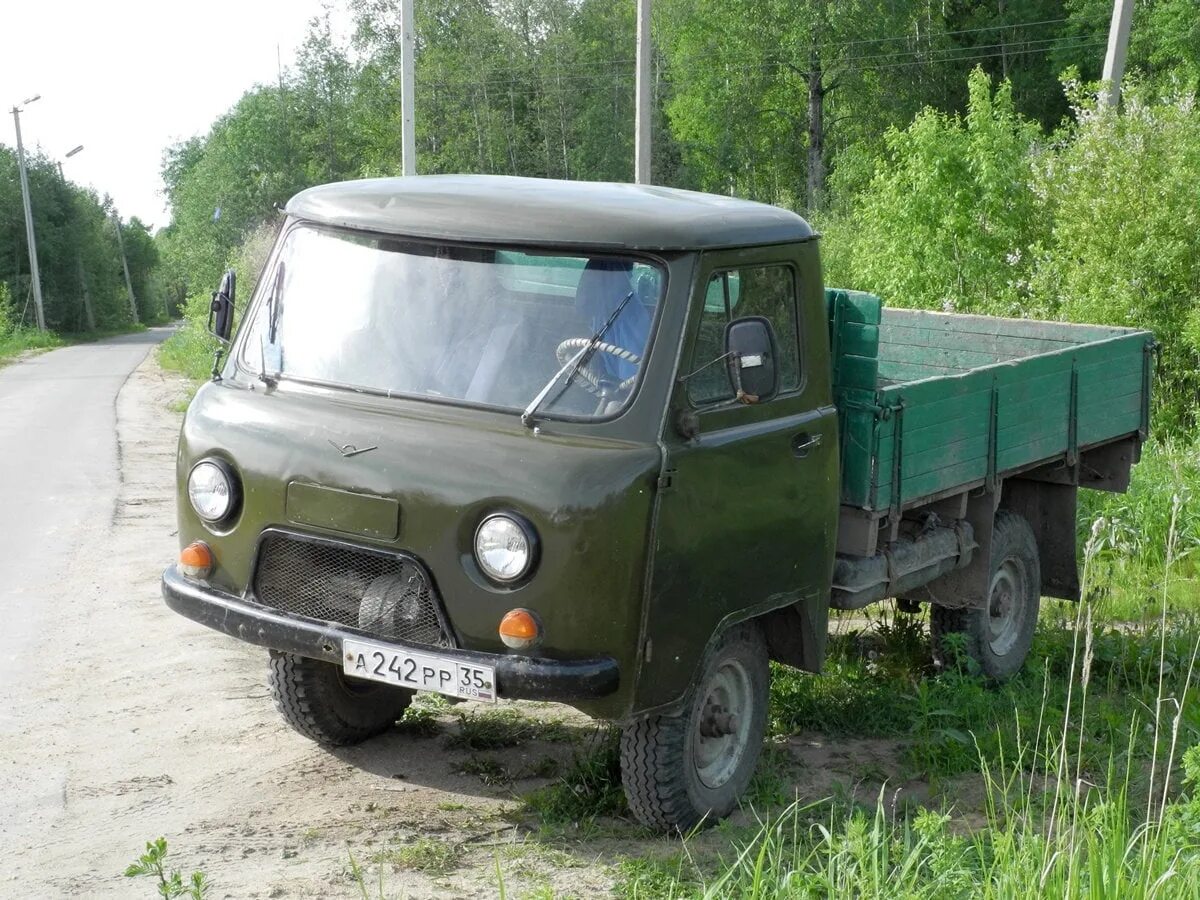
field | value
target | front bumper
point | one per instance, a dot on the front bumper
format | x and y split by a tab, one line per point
517	677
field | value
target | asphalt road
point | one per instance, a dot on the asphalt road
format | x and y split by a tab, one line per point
59	478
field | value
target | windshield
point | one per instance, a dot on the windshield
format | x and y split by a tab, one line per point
485	326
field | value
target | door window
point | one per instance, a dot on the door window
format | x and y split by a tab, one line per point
767	291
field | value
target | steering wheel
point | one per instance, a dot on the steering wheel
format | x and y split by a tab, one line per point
594	383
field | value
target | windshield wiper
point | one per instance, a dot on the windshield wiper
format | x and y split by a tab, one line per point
574	364
270	339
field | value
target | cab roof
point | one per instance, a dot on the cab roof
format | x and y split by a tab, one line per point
496	209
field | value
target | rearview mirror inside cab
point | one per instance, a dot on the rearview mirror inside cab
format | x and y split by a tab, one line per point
751	355
220	313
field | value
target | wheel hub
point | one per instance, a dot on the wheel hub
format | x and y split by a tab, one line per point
1006	605
717	721
722	724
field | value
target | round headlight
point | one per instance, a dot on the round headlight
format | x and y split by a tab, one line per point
211	490
503	548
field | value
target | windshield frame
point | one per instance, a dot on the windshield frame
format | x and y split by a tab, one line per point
242	357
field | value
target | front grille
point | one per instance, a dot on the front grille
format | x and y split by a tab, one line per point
382	594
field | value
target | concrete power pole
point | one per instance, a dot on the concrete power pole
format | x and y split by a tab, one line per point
643	112
125	266
1114	56
408	139
29	236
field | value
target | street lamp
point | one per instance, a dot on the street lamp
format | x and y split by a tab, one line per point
69	154
87	300
29	237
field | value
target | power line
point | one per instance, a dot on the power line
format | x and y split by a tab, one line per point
960	54
834	45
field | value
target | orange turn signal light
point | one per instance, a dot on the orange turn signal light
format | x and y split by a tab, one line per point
196	560
519	629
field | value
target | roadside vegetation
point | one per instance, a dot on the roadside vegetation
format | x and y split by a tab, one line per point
79	257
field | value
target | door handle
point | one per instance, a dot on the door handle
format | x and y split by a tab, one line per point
803	442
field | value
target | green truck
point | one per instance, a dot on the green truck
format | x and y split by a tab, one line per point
617	446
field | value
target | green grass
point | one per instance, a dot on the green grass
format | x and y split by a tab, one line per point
189	350
18	341
497	729
590	788
21	340
428	855
419	721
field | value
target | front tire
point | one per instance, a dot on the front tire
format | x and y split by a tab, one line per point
322	703
999	636
681	770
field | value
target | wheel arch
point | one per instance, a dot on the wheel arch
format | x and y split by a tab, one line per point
1050	511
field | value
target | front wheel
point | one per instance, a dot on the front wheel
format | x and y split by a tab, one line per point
681	770
322	703
999	636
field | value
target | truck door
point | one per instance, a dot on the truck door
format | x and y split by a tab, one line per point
747	507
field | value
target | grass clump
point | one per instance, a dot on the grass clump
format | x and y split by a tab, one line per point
428	855
496	729
488	769
419	721
16	341
590	788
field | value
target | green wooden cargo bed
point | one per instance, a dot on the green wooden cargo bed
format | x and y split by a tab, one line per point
932	404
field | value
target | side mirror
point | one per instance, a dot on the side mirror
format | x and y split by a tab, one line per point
220	313
750	352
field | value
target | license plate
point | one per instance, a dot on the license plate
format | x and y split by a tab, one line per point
418	671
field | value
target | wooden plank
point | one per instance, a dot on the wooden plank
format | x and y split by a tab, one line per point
920	414
906	373
997	346
1123	416
943	479
1035	450
961	358
960	323
951	453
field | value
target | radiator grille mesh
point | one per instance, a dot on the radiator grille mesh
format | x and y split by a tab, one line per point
380	593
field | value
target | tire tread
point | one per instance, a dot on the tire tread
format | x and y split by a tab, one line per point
310	700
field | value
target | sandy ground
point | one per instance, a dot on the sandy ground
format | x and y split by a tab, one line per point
146	724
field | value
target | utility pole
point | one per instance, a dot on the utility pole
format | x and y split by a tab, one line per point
125	266
83	285
643	112
29	236
408	140
1114	56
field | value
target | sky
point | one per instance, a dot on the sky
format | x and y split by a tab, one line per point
127	78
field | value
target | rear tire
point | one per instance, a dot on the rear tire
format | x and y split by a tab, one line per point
681	770
318	700
998	637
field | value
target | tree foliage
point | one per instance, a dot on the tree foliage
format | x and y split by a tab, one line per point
932	142
78	254
950	214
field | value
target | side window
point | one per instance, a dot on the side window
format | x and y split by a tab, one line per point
767	291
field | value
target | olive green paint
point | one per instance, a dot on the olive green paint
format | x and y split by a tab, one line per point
344	511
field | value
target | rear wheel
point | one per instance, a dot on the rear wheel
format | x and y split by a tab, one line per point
680	770
999	636
322	703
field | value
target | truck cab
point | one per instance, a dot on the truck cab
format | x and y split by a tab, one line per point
513	438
